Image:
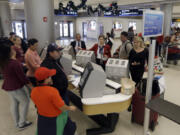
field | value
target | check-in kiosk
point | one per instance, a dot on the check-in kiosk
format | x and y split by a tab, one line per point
93	80
66	61
69	50
83	57
117	69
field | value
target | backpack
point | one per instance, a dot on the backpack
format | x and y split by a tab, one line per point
126	47
141	86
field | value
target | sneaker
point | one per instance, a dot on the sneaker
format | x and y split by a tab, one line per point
26	125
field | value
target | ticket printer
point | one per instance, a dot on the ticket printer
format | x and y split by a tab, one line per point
117	69
83	57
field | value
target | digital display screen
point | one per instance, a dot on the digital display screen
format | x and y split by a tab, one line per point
84	77
65	13
127	12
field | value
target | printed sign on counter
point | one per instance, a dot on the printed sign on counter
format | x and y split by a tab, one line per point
153	22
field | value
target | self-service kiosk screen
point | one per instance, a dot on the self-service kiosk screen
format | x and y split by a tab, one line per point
84	77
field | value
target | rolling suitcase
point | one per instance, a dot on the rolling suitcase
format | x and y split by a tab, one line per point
138	110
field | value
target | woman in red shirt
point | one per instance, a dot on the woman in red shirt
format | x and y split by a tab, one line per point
102	51
14	83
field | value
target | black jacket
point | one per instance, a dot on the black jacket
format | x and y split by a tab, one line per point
83	45
60	80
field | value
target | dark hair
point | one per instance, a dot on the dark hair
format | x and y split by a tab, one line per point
108	34
101	36
5	52
124	33
12	33
40	82
32	41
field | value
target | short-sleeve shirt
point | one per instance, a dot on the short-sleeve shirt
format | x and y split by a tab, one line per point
47	100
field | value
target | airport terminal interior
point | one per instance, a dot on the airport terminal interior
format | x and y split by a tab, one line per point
89	67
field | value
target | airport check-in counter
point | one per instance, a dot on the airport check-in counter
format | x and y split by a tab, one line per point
93	93
98	95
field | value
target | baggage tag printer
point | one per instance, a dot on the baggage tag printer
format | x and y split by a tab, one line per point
93	81
117	69
69	50
83	57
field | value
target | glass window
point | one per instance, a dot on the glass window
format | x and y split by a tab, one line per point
65	29
133	24
71	30
61	30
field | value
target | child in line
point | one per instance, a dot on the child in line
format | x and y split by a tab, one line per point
52	111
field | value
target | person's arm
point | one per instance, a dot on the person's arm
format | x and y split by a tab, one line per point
109	52
68	108
93	48
32	62
18	70
59	103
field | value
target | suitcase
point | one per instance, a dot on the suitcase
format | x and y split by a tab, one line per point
138	109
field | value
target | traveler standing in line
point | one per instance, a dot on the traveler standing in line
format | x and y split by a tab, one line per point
52	111
109	40
60	80
14	83
78	44
32	59
131	34
102	51
19	51
138	58
123	51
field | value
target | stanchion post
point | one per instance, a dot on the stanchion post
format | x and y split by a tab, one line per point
149	84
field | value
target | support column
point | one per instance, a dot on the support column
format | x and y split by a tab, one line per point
167	9
5	18
40	21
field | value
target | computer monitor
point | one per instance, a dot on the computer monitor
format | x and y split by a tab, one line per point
117	69
92	82
83	57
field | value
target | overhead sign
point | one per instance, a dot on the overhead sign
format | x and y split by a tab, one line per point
153	22
66	13
127	12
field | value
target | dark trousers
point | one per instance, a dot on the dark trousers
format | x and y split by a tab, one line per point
48	126
70	127
137	74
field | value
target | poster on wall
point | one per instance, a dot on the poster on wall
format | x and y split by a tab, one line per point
92	25
153	22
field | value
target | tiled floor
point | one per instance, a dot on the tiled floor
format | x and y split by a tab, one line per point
124	126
